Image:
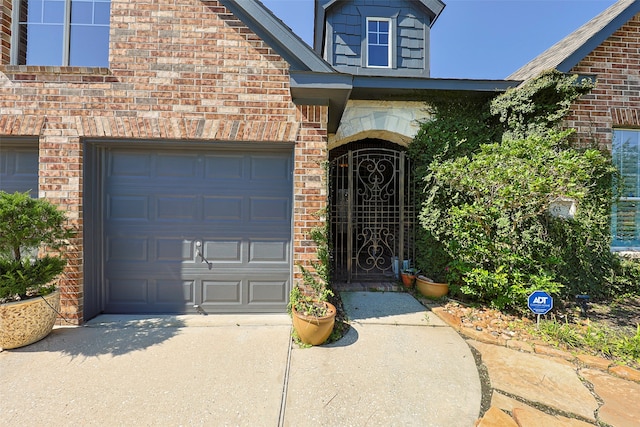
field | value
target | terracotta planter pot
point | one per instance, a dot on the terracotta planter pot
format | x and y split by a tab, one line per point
25	322
407	279
314	330
431	289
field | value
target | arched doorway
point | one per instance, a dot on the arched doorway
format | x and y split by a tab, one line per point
372	211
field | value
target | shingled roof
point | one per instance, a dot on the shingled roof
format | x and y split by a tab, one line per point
568	52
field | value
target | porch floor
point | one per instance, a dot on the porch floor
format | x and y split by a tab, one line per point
385	286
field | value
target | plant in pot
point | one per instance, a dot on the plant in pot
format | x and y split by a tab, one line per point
312	314
431	288
408	276
29	301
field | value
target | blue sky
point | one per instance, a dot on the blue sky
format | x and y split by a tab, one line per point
478	39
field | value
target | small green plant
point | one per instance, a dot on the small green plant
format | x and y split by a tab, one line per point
26	226
315	291
411	271
597	339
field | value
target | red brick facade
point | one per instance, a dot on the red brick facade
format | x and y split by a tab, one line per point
615	102
179	70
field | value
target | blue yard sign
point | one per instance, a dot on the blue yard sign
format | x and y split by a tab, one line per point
540	302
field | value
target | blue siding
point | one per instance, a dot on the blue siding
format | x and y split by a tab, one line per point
346	48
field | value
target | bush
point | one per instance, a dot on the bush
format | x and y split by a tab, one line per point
486	203
26	226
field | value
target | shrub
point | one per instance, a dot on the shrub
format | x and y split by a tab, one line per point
486	204
26	226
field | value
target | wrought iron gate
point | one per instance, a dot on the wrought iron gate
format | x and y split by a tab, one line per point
372	214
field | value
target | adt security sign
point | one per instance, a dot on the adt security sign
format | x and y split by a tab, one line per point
540	302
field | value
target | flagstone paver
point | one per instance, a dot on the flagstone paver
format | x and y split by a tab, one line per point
535	379
495	417
531	417
621	398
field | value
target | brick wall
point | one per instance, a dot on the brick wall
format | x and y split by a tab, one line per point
615	102
179	69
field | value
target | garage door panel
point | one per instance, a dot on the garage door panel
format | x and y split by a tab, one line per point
224	167
172	291
19	169
127	249
223	251
222	208
177	166
269	209
128	290
128	164
177	208
237	205
128	208
222	292
269	251
270	168
261	291
174	249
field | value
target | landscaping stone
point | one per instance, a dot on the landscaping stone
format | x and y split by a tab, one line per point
554	352
494	417
503	402
537	379
621	398
520	346
625	372
594	361
531	417
528	416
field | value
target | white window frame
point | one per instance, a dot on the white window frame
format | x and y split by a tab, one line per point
635	198
389	46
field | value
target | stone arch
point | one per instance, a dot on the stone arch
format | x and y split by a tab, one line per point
393	121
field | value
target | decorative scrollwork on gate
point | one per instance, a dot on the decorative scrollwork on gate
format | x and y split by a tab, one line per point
372	213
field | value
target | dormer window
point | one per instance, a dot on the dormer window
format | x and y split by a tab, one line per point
379	42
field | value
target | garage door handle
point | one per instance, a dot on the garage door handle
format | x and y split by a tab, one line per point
199	253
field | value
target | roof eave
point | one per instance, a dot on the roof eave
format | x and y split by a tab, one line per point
598	38
277	35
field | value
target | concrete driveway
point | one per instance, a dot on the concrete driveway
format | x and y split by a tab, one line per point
398	365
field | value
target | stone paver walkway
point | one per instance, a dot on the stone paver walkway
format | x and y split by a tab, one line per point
539	386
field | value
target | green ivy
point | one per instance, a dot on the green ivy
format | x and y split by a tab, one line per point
489	172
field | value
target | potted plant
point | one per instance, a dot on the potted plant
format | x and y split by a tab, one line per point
408	276
29	301
312	314
431	289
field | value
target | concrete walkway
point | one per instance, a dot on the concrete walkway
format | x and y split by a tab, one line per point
398	365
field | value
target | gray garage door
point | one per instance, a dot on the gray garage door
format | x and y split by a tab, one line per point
19	168
190	230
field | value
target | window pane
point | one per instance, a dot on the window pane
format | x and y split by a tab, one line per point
383	26
625	218
81	12
626	158
624	224
89	46
33	10
373	26
102	10
379	56
44	44
53	12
